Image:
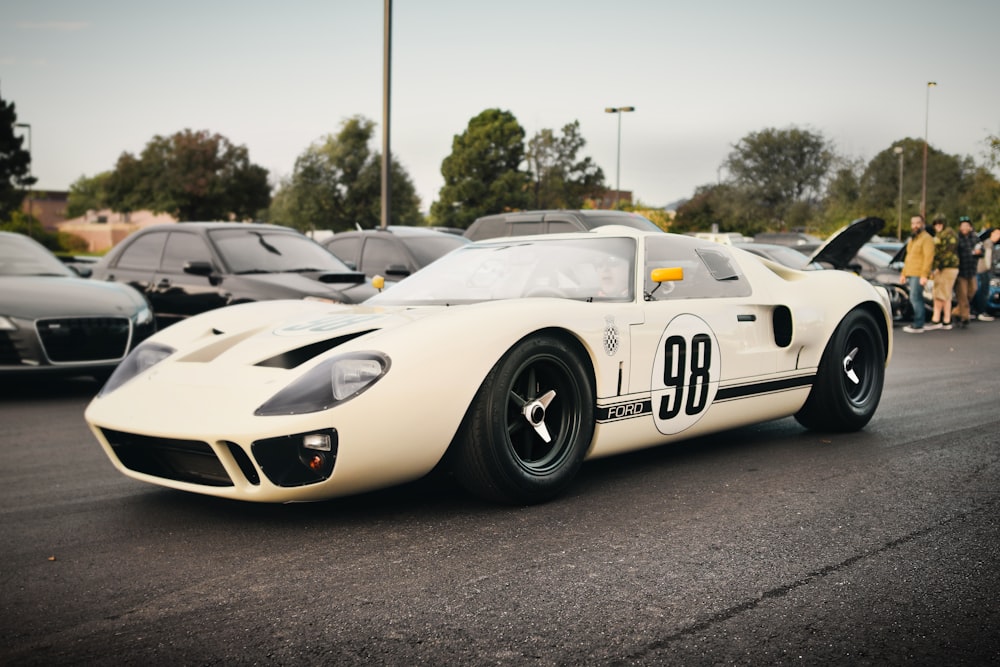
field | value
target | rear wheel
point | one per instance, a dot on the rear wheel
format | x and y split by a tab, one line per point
528	428
849	381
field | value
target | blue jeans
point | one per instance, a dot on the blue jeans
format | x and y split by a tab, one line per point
916	300
981	301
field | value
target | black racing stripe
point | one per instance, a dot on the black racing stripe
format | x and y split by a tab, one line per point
771	386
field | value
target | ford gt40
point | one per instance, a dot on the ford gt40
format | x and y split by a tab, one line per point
507	362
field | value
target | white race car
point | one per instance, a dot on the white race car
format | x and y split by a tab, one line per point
507	361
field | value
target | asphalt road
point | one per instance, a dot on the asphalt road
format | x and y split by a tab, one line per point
766	545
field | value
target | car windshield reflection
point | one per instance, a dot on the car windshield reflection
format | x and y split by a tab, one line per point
252	251
587	269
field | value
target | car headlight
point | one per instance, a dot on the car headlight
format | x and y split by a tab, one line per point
6	324
334	381
144	316
139	360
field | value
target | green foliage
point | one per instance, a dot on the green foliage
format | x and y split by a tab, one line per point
15	163
777	171
482	175
192	176
559	179
337	184
88	194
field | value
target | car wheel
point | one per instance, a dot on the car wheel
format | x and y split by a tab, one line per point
849	381
529	426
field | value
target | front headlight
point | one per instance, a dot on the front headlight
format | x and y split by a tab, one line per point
334	381
140	359
7	324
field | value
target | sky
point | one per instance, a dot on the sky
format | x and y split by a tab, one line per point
96	78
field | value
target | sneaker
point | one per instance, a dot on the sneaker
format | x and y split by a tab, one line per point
932	326
946	326
909	329
983	317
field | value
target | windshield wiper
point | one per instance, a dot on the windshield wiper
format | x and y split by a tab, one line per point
267	246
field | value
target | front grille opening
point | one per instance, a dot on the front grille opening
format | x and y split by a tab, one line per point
180	460
72	339
243	461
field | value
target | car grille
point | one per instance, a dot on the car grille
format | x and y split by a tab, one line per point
181	460
75	339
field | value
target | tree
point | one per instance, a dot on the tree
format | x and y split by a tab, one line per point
559	179
192	176
88	194
948	176
777	169
337	184
15	163
482	174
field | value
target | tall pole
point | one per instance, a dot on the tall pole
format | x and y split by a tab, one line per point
927	115
618	160
386	79
31	160
898	150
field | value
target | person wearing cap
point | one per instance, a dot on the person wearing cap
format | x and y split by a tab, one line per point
945	274
987	258
966	283
916	270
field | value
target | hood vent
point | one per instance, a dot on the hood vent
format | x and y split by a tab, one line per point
298	356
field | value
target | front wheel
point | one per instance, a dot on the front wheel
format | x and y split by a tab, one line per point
529	426
849	381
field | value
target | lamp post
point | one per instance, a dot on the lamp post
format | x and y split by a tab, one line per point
898	150
927	115
27	126
618	162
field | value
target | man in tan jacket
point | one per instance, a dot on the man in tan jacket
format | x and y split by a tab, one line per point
916	271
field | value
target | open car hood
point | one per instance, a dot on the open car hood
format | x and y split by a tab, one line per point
841	248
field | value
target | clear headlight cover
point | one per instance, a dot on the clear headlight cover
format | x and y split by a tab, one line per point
139	360
334	381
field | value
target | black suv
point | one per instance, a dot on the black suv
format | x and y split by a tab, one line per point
191	267
524	223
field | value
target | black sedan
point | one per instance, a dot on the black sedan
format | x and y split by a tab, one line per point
393	252
191	267
52	321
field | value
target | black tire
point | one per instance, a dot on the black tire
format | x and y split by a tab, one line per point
499	454
849	381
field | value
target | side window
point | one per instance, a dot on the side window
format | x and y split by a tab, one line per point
143	253
525	228
562	227
379	253
346	249
184	247
709	272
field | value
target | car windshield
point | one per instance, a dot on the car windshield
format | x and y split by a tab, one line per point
875	256
598	269
269	251
22	256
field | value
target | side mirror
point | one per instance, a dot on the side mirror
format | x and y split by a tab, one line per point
668	275
397	270
199	268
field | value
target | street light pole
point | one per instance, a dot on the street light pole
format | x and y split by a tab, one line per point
618	162
31	159
898	150
386	212
927	115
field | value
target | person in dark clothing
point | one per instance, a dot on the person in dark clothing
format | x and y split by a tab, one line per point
967	262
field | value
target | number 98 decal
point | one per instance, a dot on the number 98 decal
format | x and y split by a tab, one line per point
685	374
